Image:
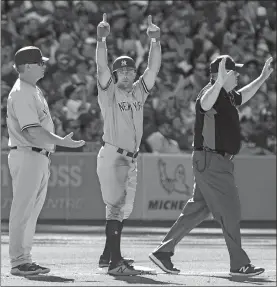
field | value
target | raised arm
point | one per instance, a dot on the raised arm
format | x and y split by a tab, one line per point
103	71
210	96
155	55
248	91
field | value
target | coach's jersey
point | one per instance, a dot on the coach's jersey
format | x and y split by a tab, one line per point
27	107
123	114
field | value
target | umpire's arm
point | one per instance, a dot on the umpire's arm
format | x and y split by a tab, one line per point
248	91
155	55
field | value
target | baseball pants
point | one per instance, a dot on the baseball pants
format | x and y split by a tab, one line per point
117	175
30	172
214	192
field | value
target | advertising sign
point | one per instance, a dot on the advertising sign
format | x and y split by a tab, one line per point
73	189
165	184
168	185
256	180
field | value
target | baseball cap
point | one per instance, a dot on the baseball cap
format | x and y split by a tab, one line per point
229	65
123	62
29	55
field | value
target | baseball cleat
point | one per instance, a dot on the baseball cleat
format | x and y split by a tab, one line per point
104	262
29	269
247	271
122	268
44	270
163	260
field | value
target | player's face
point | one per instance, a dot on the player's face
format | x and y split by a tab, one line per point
37	70
126	76
232	81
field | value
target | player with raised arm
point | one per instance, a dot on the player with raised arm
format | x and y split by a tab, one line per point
121	101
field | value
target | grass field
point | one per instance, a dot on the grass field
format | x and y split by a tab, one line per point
202	256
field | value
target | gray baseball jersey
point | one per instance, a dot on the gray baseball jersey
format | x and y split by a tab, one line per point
27	107
123	114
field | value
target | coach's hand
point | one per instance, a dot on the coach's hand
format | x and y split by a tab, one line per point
153	31
103	28
69	142
267	69
223	75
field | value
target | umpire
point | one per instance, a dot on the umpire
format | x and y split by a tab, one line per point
216	141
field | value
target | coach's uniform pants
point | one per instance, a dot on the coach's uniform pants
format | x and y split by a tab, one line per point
214	191
30	173
117	175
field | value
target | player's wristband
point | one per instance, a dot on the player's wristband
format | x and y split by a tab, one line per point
155	40
101	39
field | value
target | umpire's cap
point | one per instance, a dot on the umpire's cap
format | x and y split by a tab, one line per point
29	55
122	62
229	65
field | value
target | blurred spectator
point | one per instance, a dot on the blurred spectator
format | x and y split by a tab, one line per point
58	114
63	69
76	103
91	127
84	76
193	33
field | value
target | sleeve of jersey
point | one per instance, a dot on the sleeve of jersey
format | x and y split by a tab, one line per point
25	111
142	88
104	90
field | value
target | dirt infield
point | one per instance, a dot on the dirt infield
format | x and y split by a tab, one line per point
203	259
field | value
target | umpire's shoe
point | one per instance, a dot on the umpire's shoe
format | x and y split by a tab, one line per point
104	262
247	271
122	268
29	269
163	260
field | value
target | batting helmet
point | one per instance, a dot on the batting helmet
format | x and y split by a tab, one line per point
122	62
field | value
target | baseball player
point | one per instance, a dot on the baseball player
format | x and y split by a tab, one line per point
31	142
216	141
121	101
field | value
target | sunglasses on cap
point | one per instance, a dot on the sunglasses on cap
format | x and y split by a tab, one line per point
41	64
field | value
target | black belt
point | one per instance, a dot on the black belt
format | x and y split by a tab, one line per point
223	153
36	149
127	153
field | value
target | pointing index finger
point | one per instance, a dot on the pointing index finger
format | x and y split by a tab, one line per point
222	62
150	20
269	60
104	17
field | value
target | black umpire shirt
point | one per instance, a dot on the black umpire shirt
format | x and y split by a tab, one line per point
219	127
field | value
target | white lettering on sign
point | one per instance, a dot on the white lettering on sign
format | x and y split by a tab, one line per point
53	203
64	175
61	175
60	203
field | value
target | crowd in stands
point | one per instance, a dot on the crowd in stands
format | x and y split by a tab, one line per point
193	33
